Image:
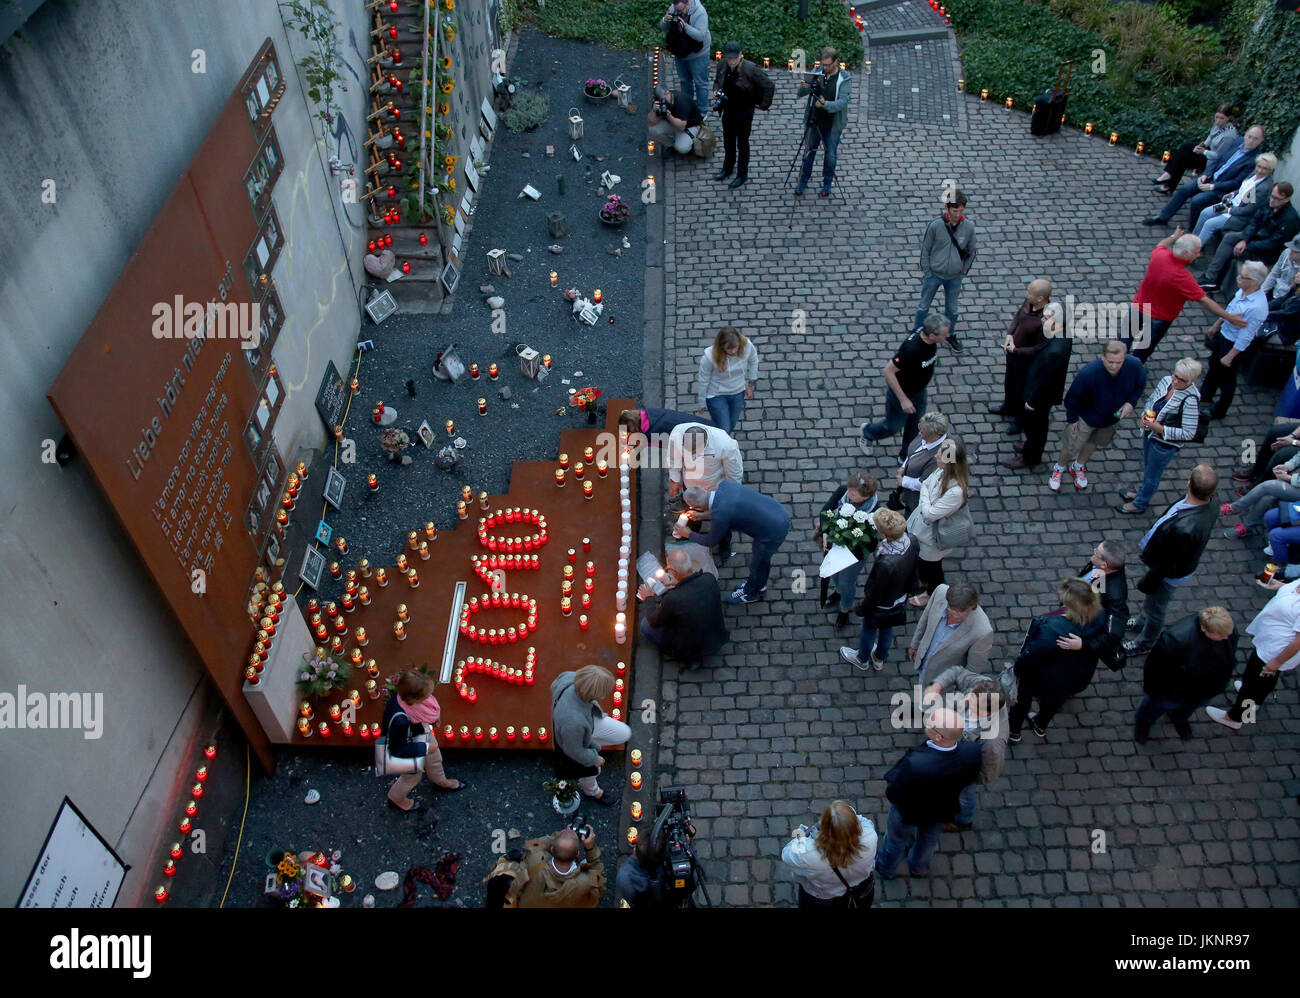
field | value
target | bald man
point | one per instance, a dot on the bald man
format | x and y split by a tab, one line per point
564	871
923	790
1023	342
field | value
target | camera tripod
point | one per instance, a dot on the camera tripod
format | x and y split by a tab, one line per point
809	125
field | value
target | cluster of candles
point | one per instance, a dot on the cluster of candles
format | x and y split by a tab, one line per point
488	667
493	635
349	730
484	567
270	605
186	824
465	733
512	545
625	535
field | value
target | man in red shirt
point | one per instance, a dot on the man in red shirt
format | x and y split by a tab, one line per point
1166	287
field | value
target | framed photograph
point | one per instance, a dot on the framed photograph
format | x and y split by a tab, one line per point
425	433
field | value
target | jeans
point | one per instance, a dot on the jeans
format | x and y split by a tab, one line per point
693	75
760	565
1264	494
1138	323
930	284
1151	709
1155	458
896	418
1151	620
816	138
1220	380
1189	191
1209	223
846	584
968	799
899	838
1279	537
606	731
726	410
878	639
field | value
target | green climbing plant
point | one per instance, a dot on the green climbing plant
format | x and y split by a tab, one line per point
320	67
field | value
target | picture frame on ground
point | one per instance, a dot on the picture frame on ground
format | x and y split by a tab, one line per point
425	433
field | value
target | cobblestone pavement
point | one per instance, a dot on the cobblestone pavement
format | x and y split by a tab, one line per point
779	725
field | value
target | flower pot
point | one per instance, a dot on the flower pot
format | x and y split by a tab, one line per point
613	223
596	99
568	808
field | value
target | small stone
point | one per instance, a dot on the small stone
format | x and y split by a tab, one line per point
614	250
527	155
313	797
517	257
512	833
496	301
406	459
556	248
387	881
504	392
487	289
368	901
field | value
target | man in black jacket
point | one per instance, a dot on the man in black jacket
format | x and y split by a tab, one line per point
741	87
1263	238
1189	666
1105	573
1043	390
686	620
923	789
1171	550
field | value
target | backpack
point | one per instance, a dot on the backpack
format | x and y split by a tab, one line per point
705	141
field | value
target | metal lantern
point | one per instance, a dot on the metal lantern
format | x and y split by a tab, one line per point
624	94
575	123
530	361
496	261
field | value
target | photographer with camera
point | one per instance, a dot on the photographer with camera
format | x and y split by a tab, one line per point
828	89
738	88
673	119
550	873
688	39
834	863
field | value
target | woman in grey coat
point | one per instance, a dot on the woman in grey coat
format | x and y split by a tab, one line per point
1203	156
581	728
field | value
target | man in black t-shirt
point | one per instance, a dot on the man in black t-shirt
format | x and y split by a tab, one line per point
906	377
674	118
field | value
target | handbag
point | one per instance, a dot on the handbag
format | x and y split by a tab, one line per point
704	142
387	764
860	895
954	530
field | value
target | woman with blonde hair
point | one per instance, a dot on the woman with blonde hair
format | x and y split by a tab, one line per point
581	728
943	496
883	607
1170	420
1059	656
405	716
833	864
728	370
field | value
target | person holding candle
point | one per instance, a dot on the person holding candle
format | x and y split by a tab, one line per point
685	621
737	507
581	727
728	370
947	252
834	863
409	709
1170	420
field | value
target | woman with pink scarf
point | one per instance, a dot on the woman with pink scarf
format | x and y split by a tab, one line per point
408	711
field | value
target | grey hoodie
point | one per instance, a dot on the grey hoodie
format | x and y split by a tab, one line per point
574	721
939	256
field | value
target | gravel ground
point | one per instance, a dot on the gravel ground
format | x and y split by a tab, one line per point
505	791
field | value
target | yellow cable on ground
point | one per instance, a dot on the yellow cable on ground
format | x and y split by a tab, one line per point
240	838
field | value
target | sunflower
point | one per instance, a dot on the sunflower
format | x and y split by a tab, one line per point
448	87
446	62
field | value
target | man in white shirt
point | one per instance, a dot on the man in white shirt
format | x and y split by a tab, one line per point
704	456
1230	343
1275	648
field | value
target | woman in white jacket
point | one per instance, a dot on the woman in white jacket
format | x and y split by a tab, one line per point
942	494
834	858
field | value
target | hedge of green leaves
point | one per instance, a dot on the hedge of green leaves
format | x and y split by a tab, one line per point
762	27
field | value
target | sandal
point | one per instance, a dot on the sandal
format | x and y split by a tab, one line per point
1129	496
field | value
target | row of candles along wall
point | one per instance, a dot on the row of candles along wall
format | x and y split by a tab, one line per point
1087	126
186	824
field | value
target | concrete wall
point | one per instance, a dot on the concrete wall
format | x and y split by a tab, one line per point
101	99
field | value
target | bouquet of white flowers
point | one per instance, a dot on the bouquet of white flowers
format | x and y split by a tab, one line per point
850	528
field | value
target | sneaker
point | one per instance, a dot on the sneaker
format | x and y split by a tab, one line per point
1221	716
851	656
800	189
1238	532
740	596
1013	737
1236	685
877	663
1032	719
1133	624
954	344
865	443
1134	647
1080	475
1226	509
1054	483
1243	475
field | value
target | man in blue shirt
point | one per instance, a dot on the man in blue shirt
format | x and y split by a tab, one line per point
1171	550
1103	392
1234	167
737	507
1229	343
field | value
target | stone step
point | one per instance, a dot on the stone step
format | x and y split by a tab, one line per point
906	35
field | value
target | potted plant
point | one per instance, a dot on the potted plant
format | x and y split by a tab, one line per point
614	212
564	795
596	90
393	442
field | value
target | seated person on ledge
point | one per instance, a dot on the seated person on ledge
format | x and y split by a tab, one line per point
686	620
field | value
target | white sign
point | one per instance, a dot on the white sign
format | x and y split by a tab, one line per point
76	867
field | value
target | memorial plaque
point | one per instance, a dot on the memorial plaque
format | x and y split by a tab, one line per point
335	484
332	398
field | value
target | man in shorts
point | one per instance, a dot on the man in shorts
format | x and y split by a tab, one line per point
1103	392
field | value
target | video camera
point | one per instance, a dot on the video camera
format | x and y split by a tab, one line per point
680	874
816	82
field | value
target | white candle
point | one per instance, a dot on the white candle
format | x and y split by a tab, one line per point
620	600
620	633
